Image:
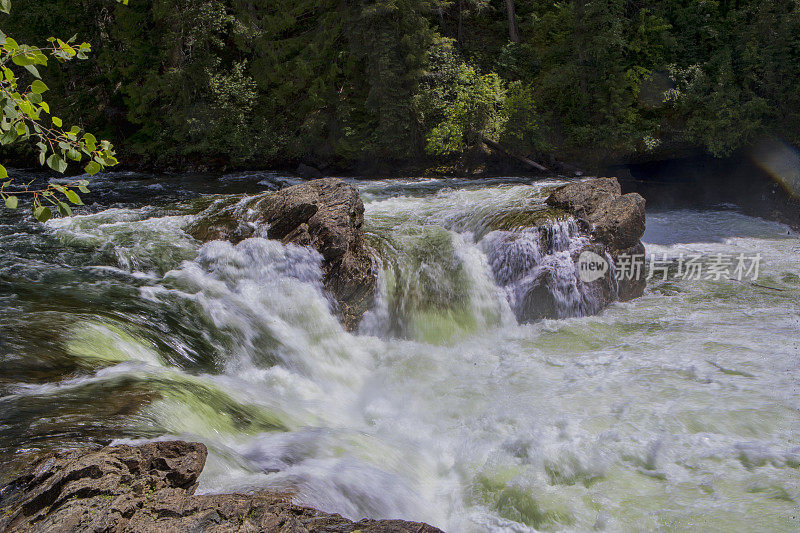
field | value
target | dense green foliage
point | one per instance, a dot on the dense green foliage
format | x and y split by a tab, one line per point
23	113
256	82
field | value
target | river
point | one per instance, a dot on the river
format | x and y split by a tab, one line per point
677	411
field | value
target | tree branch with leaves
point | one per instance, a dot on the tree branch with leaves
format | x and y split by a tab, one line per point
23	112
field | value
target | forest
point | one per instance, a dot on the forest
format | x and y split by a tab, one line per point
355	84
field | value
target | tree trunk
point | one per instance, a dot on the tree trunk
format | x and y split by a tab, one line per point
460	35
500	148
580	4
513	29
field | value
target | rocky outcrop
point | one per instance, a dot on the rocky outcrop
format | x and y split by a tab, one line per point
614	220
150	488
326	214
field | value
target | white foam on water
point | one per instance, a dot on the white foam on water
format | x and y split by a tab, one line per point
676	411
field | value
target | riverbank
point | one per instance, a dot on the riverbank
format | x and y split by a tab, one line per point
151	488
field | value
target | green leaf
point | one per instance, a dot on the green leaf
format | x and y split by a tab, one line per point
9	136
25	107
91	142
38	87
12	202
93	168
5	6
57	122
56	163
42	213
3	172
22	60
33	70
64	209
73	197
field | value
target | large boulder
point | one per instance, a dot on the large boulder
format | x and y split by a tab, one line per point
150	488
326	214
615	220
619	222
583	197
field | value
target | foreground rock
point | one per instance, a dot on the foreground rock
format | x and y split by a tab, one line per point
326	214
616	222
150	488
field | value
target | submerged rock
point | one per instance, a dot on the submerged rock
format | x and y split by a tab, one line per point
150	488
326	214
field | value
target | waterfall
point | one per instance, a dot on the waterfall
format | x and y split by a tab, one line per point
536	269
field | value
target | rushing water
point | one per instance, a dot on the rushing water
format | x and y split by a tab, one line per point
676	411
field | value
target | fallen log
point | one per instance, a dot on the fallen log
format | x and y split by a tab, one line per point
500	148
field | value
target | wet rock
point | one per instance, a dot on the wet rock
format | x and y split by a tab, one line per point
150	488
630	288
326	214
538	301
526	218
583	197
614	220
620	222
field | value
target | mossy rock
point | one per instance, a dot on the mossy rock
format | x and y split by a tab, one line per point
529	218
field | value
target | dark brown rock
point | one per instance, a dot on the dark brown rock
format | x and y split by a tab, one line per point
582	198
307	171
326	214
630	288
150	488
619	223
616	220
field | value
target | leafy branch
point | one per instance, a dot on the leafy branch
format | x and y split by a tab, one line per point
22	110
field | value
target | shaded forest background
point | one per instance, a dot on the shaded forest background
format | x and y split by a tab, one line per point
351	84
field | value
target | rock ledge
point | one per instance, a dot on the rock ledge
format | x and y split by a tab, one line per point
150	488
326	214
